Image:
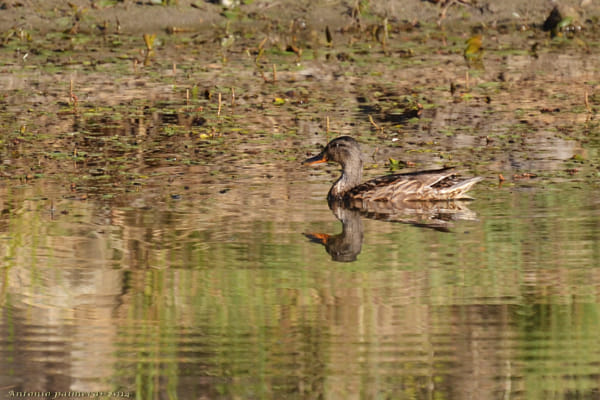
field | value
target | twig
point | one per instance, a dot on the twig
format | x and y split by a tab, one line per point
259	55
219	109
587	102
261	50
375	125
448	5
73	96
274	73
262	44
262	73
444	11
232	97
385	36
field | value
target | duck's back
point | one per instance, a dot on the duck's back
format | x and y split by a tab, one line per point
433	185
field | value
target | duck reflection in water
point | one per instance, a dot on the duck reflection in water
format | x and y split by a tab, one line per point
430	199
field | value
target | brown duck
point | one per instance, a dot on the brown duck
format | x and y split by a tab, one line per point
433	185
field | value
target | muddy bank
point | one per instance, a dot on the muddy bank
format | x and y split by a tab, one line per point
244	97
135	17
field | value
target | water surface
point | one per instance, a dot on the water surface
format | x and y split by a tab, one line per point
161	302
159	244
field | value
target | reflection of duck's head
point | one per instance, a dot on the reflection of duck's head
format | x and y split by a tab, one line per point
338	246
343	247
345	151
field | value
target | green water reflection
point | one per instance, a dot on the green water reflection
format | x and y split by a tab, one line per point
172	301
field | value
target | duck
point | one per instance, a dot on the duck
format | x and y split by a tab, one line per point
396	189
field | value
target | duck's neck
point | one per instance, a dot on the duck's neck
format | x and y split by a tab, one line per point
351	177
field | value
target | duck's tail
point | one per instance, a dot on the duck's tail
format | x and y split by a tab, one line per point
458	190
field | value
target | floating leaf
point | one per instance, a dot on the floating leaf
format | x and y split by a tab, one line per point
227	41
473	49
395	164
572	171
564	23
149	40
524	175
577	157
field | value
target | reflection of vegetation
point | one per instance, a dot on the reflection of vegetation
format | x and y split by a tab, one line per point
559	347
246	305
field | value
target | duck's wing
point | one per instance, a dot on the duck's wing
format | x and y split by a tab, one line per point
459	189
402	187
428	177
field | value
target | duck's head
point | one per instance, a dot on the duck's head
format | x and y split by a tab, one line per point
346	152
343	150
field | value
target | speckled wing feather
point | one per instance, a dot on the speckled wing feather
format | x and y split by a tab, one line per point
422	186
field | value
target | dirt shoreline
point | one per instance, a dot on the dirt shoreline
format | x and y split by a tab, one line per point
142	16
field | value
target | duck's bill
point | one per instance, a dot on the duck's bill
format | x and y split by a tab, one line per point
318	159
321	238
